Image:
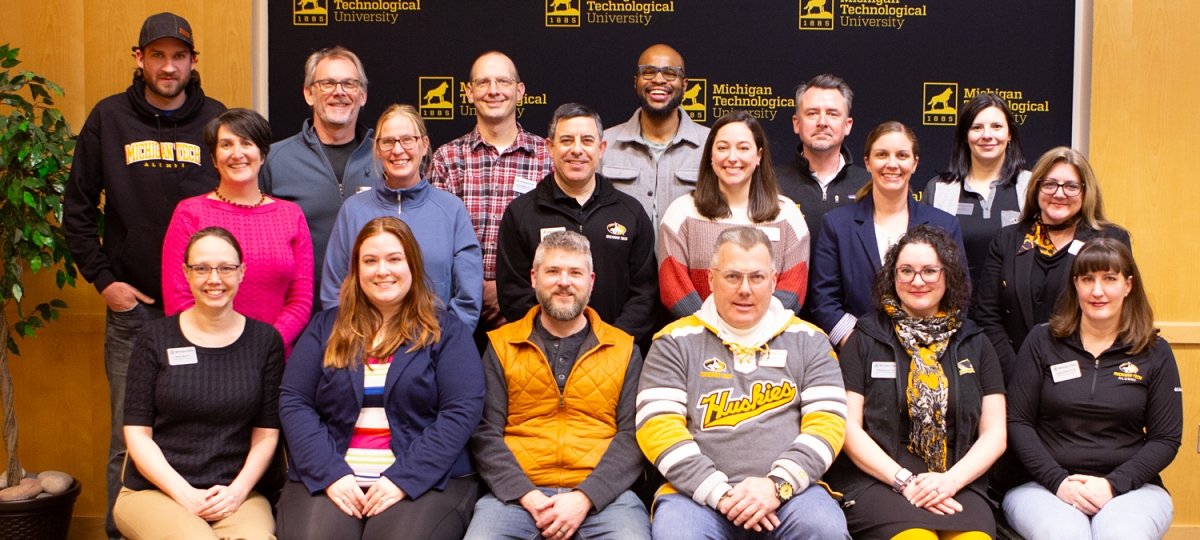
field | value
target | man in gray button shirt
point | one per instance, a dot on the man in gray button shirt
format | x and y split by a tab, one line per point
655	156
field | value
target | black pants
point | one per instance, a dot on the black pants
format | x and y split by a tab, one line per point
435	515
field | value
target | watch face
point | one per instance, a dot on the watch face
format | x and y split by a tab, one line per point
784	490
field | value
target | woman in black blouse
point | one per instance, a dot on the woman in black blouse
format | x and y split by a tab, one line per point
201	410
1029	263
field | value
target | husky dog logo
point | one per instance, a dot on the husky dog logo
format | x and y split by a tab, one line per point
816	14
562	13
695	99
310	12
436	102
940	104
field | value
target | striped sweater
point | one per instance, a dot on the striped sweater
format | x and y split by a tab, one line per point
686	242
712	412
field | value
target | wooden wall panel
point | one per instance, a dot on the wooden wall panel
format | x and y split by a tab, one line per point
1143	143
62	392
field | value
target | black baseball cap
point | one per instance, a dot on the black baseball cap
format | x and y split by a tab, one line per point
165	25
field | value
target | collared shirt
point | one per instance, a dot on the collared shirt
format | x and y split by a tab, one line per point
655	181
561	352
487	180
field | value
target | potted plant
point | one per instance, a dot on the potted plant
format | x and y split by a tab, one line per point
35	156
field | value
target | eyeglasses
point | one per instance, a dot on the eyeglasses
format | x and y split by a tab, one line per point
349	86
669	73
733	278
1069	189
929	274
407	142
225	270
501	82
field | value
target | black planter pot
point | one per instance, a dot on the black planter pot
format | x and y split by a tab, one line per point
47	518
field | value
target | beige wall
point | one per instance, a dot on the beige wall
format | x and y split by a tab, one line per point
1143	134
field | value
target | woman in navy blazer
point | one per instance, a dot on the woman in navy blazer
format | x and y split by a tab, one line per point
1029	262
853	238
377	404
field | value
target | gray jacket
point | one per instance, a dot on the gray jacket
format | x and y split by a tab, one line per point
631	167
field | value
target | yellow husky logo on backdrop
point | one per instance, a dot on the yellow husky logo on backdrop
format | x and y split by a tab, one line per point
720	411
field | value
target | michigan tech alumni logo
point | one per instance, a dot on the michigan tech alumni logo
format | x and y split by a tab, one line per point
562	13
437	97
310	12
816	14
940	104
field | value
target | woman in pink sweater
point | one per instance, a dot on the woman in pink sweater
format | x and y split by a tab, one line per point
278	255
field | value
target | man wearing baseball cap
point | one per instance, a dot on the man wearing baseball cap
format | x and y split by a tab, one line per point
140	152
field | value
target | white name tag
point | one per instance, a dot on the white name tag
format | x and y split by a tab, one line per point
883	370
775	358
1075	246
966	209
181	356
548	231
772	233
523	185
1065	371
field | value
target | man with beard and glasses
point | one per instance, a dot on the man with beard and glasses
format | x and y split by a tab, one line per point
556	443
574	198
655	156
331	158
822	175
140	152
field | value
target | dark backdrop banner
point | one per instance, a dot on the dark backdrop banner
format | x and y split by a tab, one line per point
916	61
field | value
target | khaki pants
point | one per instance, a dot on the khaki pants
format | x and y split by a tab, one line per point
152	514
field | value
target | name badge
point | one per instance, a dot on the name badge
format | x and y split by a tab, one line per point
548	231
772	233
776	358
523	185
182	356
1065	371
966	209
1075	246
883	370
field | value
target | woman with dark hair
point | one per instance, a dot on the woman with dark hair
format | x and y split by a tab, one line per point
378	403
1097	409
736	187
278	287
1029	263
924	393
201	409
439	220
984	186
854	239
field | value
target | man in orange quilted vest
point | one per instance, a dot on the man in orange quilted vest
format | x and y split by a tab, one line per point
556	444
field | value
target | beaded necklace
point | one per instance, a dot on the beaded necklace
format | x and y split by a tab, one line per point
262	198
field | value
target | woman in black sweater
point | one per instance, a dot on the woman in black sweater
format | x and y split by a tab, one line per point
201	410
1096	409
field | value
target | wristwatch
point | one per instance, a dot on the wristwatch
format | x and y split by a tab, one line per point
902	479
783	488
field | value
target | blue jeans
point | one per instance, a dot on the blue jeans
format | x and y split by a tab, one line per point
121	328
1037	514
625	518
810	514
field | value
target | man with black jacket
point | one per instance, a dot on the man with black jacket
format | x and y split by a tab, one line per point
574	198
140	153
822	176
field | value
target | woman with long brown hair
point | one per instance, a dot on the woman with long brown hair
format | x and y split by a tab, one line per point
1096	409
378	402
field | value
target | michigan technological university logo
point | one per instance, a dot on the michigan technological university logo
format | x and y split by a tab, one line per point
940	104
310	12
562	13
437	97
816	14
695	99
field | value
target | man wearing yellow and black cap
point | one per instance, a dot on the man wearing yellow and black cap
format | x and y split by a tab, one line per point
141	152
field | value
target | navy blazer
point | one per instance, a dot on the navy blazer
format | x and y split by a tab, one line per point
433	399
1003	299
845	258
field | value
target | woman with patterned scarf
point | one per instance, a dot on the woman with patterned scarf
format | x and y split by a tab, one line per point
925	402
1029	262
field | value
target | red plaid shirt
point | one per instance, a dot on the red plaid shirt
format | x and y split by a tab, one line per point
484	179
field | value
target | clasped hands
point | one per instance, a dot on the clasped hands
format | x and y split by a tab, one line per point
934	492
559	515
1085	493
751	504
346	494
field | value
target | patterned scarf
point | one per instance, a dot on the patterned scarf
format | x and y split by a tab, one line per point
1039	236
927	391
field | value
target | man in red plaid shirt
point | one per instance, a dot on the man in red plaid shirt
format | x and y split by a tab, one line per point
493	164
